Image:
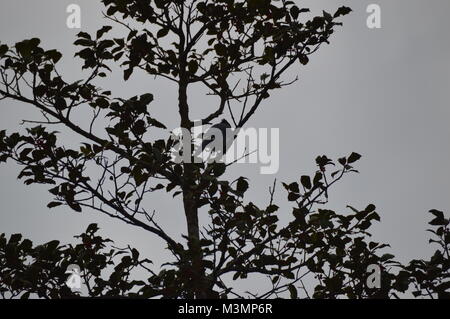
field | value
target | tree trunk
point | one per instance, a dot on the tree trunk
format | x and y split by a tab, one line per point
200	284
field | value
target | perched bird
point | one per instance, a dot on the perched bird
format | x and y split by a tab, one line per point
210	135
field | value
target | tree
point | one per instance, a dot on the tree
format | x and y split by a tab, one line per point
240	51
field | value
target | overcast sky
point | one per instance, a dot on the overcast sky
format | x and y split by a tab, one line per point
383	93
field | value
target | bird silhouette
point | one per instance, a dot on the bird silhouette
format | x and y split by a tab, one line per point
211	134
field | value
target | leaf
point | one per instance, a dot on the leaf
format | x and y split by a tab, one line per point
3	50
437	213
103	30
92	228
15	238
135	254
162	33
84	35
342	11
221	49
440	219
374	216
242	185
84	42
193	66
353	158
75	206
295	11
54	204
127	74
271	209
293	292
146	98
25	295
327	16
102	103
25	47
293	187
54	55
293	197
219	169
386	257
289	275
438	222
155	123
306	181
52	245
26	245
303	59
125	170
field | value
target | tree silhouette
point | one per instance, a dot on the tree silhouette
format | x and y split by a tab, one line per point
240	51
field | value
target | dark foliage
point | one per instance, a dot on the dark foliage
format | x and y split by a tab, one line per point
240	51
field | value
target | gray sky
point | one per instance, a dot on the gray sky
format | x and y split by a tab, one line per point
382	93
